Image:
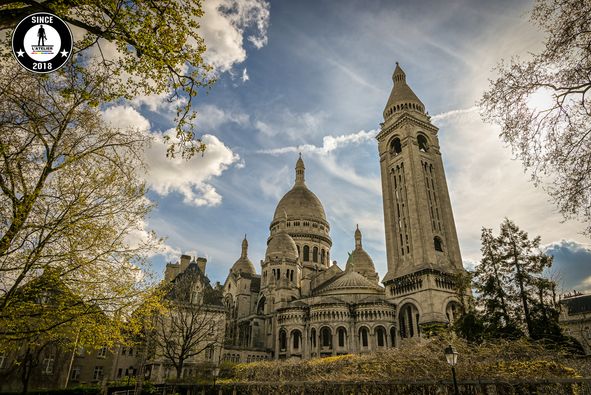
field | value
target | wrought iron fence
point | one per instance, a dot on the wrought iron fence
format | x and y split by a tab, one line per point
580	386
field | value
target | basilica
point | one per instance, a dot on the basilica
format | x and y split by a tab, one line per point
300	304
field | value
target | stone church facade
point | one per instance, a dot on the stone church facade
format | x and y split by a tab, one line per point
303	305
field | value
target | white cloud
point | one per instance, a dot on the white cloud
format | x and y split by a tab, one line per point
224	25
210	117
121	116
486	185
275	184
344	171
245	76
287	123
159	102
453	114
191	177
329	144
142	235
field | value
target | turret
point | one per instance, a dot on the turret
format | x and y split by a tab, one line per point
359	260
243	264
300	171
402	98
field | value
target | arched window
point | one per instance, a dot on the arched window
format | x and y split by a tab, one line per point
342	334
322	253
364	337
393	337
315	254
381	336
306	253
423	144
409	320
395	146
313	338
278	274
261	306
325	337
291	276
452	311
296	338
282	340
438	243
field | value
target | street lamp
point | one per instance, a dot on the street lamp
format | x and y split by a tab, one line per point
452	359
215	372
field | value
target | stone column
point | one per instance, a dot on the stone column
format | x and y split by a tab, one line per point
334	342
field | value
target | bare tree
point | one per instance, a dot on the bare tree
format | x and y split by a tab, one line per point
542	106
192	321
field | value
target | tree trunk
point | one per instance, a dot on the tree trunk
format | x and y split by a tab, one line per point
179	369
26	373
503	304
522	292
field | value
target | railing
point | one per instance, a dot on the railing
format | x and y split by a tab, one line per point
580	386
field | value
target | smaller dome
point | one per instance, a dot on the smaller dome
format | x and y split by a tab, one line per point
351	281
359	260
281	244
243	264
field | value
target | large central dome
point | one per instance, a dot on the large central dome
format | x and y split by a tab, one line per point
305	222
300	202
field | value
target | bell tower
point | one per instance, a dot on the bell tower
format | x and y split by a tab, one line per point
423	253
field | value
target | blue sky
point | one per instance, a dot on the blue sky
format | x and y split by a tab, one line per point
314	76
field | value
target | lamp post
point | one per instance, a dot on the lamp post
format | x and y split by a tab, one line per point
452	358
215	372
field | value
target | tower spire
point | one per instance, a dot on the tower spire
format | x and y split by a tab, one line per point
300	169
244	248
357	238
399	76
402	98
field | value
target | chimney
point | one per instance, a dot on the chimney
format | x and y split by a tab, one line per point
201	262
172	270
185	259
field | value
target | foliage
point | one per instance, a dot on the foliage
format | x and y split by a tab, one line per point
522	262
542	105
468	324
433	329
145	47
72	206
90	390
423	360
490	277
513	296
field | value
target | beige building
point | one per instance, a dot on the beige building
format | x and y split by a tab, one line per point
575	318
303	305
189	336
